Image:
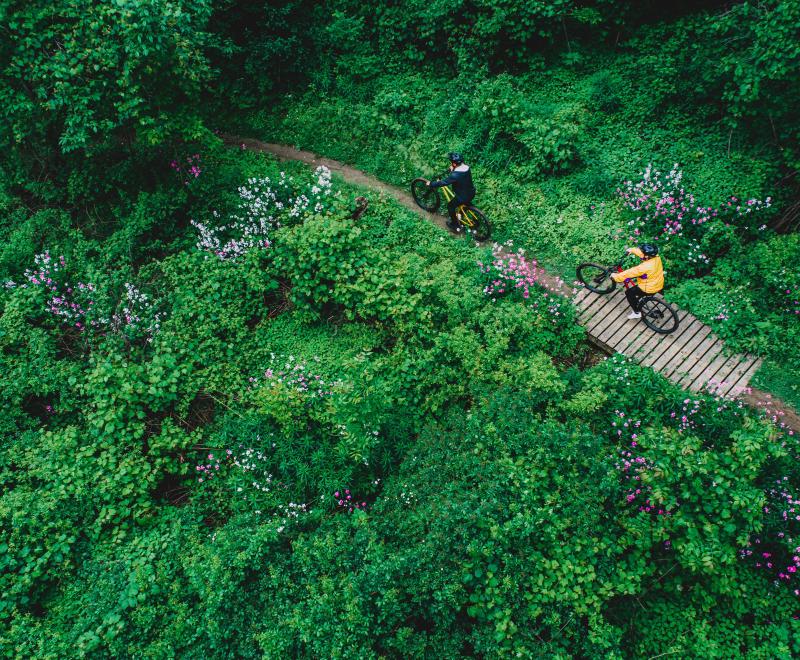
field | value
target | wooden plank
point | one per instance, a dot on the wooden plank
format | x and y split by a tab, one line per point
736	375
623	309
621	319
582	294
706	374
671	344
642	343
603	317
718	369
590	309
711	354
688	354
646	339
721	378
627	335
598	312
744	381
646	334
593	305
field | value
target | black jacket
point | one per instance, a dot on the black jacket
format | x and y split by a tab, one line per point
461	182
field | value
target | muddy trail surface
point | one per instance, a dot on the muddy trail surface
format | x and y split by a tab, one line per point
761	401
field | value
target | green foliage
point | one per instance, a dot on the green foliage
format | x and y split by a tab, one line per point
82	72
241	425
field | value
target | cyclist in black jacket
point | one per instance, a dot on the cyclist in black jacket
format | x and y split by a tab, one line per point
460	179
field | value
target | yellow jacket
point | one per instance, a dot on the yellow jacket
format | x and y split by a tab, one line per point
649	273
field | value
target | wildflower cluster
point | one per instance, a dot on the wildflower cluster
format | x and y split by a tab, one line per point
663	208
74	304
137	315
686	421
732	305
513	271
248	461
787	284
188	170
296	375
631	465
245	470
778	552
620	371
71	303
264	206
346	502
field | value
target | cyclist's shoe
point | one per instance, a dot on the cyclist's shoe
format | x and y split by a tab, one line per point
452	226
634	315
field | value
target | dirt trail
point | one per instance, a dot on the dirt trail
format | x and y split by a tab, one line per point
757	399
352	175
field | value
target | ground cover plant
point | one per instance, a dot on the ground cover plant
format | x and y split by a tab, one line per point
241	420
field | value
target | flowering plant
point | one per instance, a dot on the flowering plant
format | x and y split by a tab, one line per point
264	206
663	211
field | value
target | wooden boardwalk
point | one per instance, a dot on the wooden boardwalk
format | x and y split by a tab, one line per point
692	356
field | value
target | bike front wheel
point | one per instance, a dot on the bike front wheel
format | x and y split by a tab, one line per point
658	315
476	223
596	278
427	198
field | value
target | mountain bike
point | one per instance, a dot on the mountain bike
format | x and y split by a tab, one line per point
468	216
657	313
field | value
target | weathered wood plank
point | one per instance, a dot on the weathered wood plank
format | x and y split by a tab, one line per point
579	297
593	305
693	356
634	331
646	341
733	378
597	313
702	379
687	353
669	345
721	367
603	317
744	381
704	361
673	349
620	320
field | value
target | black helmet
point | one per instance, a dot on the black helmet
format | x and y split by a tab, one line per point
455	157
648	250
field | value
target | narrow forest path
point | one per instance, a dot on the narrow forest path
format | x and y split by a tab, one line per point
692	357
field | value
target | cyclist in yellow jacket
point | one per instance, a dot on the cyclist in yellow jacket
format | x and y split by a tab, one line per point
649	277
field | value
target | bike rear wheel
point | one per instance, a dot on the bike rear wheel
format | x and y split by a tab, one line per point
596	278
476	223
658	315
427	198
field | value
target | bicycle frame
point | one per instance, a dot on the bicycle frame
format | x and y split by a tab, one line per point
462	209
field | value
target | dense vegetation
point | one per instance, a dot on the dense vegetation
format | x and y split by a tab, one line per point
240	422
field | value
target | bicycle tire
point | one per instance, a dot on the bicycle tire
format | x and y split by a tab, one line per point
658	315
426	198
596	278
481	228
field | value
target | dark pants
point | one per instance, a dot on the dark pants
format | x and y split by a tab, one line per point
634	295
452	205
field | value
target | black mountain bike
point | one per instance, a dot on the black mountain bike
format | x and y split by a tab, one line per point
468	216
657	313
